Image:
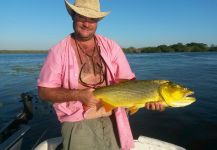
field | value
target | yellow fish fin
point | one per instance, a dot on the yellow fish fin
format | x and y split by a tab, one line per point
108	107
133	110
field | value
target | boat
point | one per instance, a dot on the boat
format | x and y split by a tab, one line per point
142	143
13	133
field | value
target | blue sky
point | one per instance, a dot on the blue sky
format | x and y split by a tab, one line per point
39	24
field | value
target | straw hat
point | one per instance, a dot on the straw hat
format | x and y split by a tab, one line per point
87	8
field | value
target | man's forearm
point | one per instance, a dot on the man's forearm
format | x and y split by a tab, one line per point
58	94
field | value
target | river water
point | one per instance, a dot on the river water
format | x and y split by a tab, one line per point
193	127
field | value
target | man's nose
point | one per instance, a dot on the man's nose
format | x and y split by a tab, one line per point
86	23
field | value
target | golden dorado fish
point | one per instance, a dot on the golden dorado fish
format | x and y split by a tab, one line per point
135	94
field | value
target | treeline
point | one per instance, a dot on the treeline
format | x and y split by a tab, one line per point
22	51
179	47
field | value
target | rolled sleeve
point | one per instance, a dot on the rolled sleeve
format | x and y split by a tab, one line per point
121	65
50	75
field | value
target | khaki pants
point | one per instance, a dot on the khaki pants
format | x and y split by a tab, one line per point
91	134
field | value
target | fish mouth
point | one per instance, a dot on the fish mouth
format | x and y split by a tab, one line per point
185	101
189	95
189	98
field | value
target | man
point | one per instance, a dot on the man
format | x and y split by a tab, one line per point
74	67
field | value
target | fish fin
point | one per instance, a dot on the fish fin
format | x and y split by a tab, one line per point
108	107
133	110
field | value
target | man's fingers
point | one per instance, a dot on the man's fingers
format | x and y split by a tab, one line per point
162	108
93	103
98	105
157	106
150	106
91	89
154	106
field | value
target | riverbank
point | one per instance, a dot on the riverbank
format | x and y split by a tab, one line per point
179	47
22	51
125	51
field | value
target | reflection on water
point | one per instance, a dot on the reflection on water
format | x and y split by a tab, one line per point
22	69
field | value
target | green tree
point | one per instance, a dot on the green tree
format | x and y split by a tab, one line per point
179	47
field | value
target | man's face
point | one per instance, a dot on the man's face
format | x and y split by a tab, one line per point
84	27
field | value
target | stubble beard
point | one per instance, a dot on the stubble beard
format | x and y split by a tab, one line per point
80	37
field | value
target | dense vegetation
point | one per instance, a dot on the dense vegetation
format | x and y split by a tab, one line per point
179	47
22	51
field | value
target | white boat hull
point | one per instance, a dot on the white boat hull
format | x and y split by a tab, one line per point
142	143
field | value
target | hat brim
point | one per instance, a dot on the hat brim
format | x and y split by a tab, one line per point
84	11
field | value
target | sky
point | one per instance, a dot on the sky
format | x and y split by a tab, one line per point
40	24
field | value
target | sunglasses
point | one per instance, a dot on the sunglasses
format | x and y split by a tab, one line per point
94	66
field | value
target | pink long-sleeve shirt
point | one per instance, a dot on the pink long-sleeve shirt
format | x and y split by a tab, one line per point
60	69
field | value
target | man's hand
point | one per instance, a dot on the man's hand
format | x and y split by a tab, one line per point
88	99
92	106
93	112
155	106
